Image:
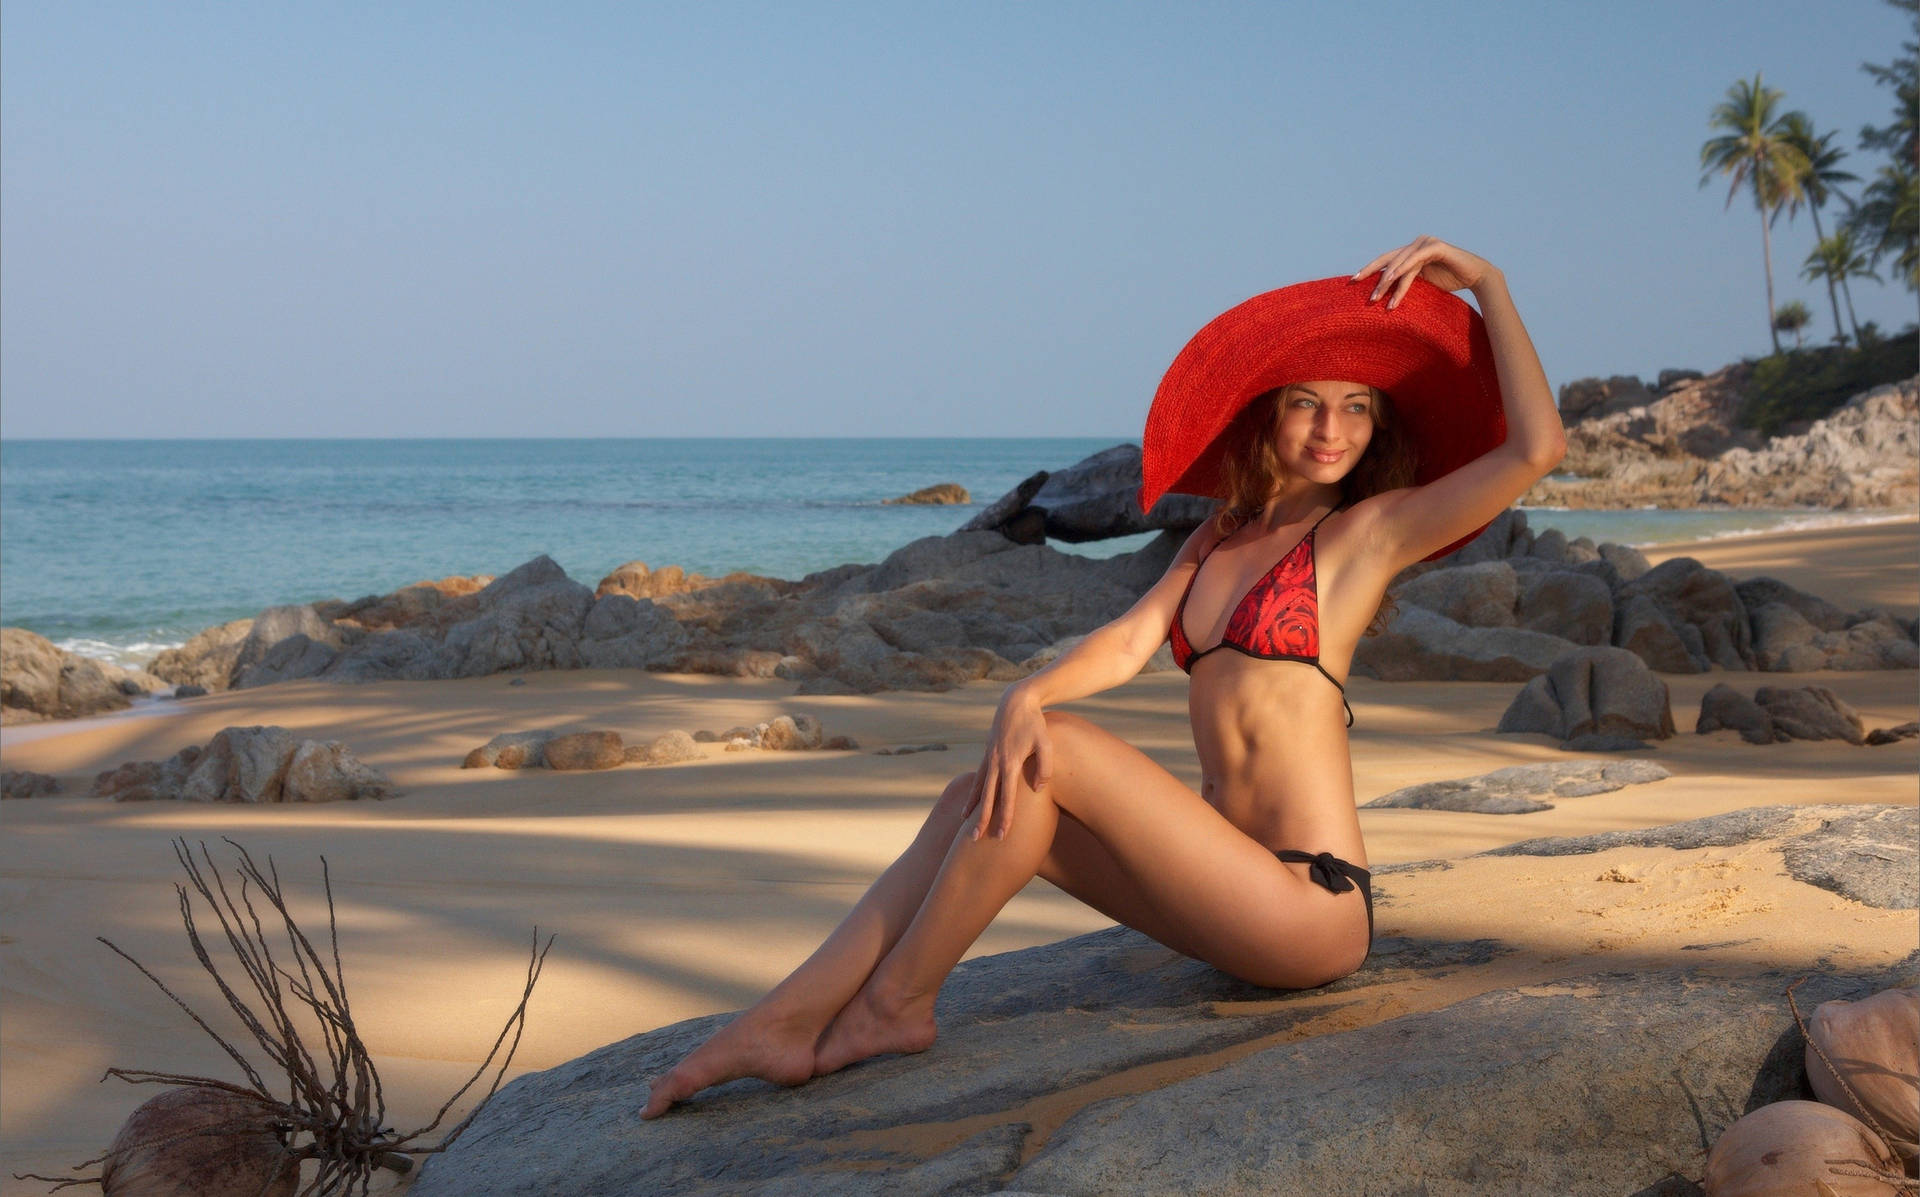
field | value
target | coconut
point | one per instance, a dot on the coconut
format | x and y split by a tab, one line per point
197	1142
1873	1046
1801	1147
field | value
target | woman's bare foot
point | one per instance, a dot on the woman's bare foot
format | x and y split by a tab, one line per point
869	1027
765	1046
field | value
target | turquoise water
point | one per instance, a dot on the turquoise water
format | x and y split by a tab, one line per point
121	548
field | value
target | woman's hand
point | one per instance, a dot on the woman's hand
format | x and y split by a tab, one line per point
1019	732
1445	266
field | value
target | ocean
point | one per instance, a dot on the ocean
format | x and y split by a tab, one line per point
118	549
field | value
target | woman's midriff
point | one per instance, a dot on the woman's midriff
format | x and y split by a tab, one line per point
1272	742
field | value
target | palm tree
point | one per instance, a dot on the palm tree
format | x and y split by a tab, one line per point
1837	259
1791	317
1818	178
1754	150
1888	215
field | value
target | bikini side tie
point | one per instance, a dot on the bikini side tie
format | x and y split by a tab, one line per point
1325	869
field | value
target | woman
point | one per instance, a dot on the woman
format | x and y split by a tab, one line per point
1257	873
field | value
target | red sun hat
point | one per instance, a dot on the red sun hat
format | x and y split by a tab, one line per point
1430	355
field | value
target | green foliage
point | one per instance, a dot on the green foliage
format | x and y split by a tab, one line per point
1887	219
1806	384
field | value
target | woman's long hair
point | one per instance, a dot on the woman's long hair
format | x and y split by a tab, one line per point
1251	470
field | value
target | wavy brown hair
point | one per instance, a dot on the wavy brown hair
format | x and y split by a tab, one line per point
1251	470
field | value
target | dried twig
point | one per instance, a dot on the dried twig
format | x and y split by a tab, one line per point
333	1109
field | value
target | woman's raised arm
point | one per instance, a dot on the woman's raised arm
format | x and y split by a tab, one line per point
1409	524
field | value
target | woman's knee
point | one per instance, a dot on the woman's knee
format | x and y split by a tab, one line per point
953	800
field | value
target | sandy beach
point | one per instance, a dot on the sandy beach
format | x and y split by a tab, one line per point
683	890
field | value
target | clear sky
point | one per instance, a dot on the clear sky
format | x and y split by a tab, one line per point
792	219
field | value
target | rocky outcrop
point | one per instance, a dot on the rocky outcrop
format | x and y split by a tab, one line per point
1108	1065
207	660
1519	789
249	764
1626	448
41	681
1092	499
1604	693
1779	713
940	494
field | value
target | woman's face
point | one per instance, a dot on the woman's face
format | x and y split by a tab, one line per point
1322	428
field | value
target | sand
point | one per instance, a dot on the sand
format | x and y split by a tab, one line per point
683	890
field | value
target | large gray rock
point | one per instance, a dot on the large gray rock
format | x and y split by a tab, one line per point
1095	498
1518	789
1422	645
1593	692
1702	607
1864	854
1155	1074
23	783
1810	713
284	643
530	619
1481	595
1575	606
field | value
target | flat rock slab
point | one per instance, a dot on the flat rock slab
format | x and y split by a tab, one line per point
1518	789
1108	1064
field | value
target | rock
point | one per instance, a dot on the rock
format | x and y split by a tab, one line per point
849	744
21	783
285	643
189	691
1481	595
671	748
1585	398
792	733
207	659
1893	735
47	682
1517	789
939	494
1159	1075
1865	454
510	750
1629	561
909	749
196	1142
1759	592
400	654
1593	690
1810	713
413	606
530	619
1724	708
1700	606
1865	854
248	764
1670	379
1420	645
328	772
1506	536
1576	607
582	751
1092	499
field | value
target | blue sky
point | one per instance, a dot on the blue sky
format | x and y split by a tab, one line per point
890	219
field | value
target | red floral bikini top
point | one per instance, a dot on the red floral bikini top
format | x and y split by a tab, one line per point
1278	619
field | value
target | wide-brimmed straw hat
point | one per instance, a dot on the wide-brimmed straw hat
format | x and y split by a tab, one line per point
1430	355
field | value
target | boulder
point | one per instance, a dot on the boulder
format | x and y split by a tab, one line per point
1604	691
1480	595
670	748
583	751
941	494
1421	645
1576	607
1587	398
1893	735
621	632
1810	713
1152	1073
23	783
413	606
1701	606
40	681
284	643
207	659
249	764
1518	789
510	750
529	619
1724	708
792	733
1092	499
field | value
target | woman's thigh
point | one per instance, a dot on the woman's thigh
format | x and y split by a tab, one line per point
1142	847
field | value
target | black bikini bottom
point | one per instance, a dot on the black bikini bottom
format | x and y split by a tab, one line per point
1336	876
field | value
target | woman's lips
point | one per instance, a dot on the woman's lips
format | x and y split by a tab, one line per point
1324	457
